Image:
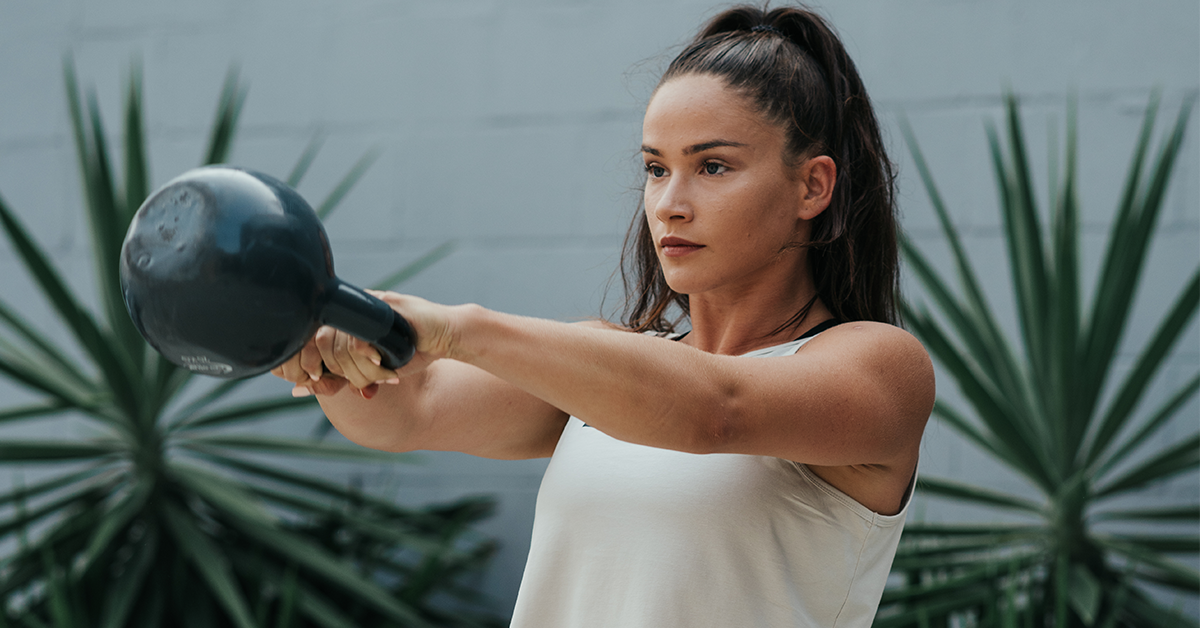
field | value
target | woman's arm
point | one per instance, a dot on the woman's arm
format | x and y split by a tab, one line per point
436	405
448	406
858	394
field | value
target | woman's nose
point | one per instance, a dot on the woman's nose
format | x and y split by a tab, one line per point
672	203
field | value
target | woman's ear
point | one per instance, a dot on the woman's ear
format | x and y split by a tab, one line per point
817	176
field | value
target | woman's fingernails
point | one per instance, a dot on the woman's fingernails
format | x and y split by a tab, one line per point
376	361
366	393
301	391
394	380
314	376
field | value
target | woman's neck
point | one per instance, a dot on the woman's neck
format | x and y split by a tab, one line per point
736	323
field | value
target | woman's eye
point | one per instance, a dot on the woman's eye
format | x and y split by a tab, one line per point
713	167
656	171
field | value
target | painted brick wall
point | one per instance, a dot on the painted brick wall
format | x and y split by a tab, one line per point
511	127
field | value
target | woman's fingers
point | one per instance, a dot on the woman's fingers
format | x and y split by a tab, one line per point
332	359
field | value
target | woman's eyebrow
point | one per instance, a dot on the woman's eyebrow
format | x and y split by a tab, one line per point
695	148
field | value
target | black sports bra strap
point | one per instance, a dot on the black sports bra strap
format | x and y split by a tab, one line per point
820	327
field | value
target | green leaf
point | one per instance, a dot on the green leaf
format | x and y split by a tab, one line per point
347	183
112	363
966	492
1156	421
35	451
40	342
1128	244
317	559
1155	567
216	393
295	447
229	108
1024	239
60	608
126	585
1180	513
985	334
24	493
1084	594
108	224
1162	543
114	521
1148	364
211	562
1021	439
224	495
253	411
305	160
308	483
416	266
137	171
1182	457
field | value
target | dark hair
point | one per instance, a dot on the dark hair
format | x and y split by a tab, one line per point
790	63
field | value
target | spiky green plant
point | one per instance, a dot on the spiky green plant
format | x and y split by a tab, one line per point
158	513
1049	407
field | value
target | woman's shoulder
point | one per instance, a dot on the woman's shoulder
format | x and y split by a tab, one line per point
872	335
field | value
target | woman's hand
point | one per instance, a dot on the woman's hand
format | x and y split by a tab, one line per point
333	358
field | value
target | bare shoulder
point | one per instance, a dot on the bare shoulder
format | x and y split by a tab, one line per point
888	355
599	323
877	343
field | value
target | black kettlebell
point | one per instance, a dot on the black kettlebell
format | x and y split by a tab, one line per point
228	272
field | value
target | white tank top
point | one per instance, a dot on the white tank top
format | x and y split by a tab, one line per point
629	536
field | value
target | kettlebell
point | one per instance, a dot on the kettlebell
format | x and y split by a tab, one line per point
228	272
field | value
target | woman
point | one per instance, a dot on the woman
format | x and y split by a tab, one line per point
753	471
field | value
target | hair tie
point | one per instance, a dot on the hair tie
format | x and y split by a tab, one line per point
767	28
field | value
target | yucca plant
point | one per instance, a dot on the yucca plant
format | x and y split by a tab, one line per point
1049	406
171	507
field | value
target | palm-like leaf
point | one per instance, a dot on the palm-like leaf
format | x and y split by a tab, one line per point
1048	411
161	516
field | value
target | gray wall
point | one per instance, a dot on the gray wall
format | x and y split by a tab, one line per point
511	128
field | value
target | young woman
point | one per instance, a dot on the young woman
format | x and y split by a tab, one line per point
752	471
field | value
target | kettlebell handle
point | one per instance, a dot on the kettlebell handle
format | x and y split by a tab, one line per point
368	318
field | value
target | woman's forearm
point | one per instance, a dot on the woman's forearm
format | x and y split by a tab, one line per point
627	384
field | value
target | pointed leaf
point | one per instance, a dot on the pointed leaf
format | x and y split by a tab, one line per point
1085	594
113	367
317	559
305	160
115	519
229	108
253	411
1127	247
119	601
1007	424
308	483
959	490
1164	515
222	494
1024	239
348	181
33	451
1149	362
137	174
416	266
24	493
37	340
210	561
296	447
1175	460
1156	421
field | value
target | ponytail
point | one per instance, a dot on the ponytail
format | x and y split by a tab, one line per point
792	65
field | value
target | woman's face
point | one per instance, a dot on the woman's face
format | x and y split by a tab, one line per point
722	205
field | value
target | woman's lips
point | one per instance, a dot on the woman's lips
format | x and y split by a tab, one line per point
677	247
